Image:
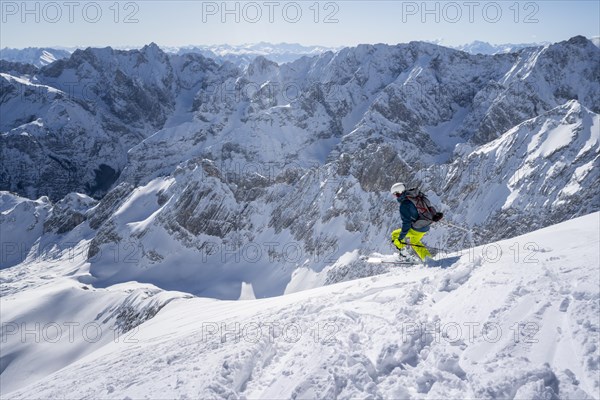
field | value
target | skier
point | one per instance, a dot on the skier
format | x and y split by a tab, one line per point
417	215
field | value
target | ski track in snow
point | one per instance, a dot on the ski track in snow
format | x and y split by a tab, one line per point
481	328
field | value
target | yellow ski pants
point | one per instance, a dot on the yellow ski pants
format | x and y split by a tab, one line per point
415	242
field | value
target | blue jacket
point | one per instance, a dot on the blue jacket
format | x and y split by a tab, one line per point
409	214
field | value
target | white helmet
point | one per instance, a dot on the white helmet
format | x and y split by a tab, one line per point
397	188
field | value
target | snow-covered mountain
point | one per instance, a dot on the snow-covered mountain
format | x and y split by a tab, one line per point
239	55
34	55
520	322
546	168
242	55
68	126
192	177
301	154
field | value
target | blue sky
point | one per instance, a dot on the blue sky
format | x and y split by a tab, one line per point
328	23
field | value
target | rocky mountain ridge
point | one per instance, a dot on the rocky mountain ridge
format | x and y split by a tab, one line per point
272	174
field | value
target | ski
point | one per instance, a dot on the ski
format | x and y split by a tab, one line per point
372	260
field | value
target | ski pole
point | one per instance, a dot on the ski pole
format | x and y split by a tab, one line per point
468	231
443	221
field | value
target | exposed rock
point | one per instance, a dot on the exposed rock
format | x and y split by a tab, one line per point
68	213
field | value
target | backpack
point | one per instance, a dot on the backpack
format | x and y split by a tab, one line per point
427	213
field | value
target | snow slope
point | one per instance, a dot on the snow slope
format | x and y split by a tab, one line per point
514	319
51	317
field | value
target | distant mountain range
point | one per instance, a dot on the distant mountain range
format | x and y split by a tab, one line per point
479	47
242	55
38	56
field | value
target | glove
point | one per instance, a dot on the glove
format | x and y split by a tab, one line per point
437	216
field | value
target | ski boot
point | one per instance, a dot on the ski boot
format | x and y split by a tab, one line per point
406	255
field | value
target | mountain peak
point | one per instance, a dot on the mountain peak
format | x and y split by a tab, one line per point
261	65
579	40
151	48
